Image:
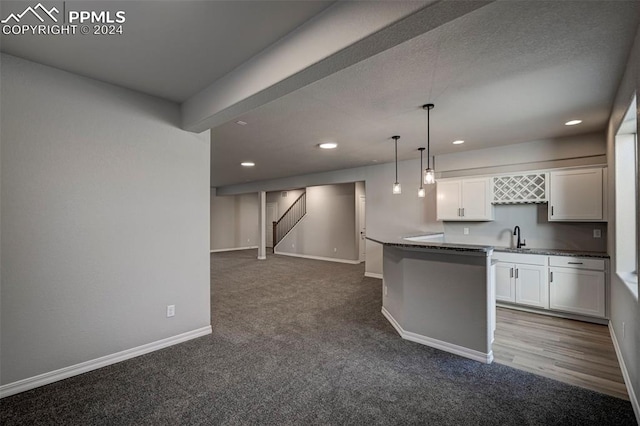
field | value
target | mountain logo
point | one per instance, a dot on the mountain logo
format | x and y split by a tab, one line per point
34	11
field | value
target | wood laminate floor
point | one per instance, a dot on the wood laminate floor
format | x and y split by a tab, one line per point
574	352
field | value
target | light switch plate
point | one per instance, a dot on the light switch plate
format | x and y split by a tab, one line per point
597	233
465	231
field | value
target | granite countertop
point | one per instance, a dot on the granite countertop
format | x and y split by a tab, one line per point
436	243
553	252
400	241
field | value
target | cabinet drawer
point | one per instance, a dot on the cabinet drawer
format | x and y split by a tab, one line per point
577	262
529	259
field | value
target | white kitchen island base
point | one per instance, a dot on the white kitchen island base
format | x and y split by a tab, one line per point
442	296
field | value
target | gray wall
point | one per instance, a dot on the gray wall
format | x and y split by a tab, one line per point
328	229
360	192
406	213
420	308
234	221
624	306
403	214
569	151
104	220
284	202
534	226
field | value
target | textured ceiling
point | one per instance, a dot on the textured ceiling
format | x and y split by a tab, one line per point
169	49
509	72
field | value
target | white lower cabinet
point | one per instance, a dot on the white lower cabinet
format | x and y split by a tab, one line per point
505	283
576	289
558	283
522	283
532	287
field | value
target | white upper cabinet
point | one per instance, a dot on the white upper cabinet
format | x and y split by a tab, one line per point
449	194
576	195
465	199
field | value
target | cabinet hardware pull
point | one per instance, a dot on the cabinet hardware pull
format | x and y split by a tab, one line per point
516	273
463	212
551	210
551	279
511	273
574	263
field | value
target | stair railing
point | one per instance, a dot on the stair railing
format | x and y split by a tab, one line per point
289	219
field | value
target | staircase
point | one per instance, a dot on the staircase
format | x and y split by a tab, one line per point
289	219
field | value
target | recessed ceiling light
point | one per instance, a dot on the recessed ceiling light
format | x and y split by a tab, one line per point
328	145
241	123
572	122
247	164
458	142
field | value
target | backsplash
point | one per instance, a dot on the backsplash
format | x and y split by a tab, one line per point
535	229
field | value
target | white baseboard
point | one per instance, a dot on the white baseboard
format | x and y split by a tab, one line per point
373	275
625	374
73	370
233	249
328	259
438	344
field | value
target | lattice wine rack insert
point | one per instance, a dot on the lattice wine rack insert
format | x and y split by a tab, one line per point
527	188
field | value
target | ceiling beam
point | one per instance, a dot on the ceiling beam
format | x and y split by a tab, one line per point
342	35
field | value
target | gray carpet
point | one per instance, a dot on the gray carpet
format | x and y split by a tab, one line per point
299	341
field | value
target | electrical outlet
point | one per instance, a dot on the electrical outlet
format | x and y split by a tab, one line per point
171	311
293	246
597	233
385	290
335	249
465	231
249	240
623	333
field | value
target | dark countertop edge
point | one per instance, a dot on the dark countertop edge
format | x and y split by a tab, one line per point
554	252
427	245
399	241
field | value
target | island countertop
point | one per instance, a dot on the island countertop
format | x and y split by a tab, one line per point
435	240
428	240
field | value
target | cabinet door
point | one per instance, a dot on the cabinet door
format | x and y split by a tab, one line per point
448	200
578	291
532	286
576	195
476	199
505	282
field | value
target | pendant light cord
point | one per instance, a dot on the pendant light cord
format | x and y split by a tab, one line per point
428	140
396	160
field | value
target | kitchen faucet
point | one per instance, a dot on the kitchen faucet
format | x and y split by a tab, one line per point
519	244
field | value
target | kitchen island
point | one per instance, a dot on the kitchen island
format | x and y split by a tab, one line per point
439	294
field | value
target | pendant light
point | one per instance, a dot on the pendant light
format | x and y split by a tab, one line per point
421	191
429	174
396	186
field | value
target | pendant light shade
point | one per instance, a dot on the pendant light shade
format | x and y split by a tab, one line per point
421	191
397	189
429	176
429	173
